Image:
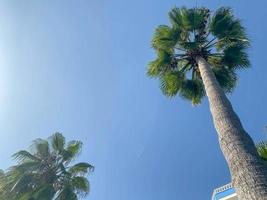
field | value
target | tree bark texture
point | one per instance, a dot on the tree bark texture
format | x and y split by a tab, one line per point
248	171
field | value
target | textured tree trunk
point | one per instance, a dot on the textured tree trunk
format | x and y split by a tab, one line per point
249	173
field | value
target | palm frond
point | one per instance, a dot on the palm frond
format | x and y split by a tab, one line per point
227	28
24	184
66	193
57	142
171	83
72	150
80	169
24	167
235	57
44	192
161	64
22	156
227	78
165	38
40	147
81	185
192	90
178	18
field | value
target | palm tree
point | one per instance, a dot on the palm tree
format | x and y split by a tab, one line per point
198	54
45	172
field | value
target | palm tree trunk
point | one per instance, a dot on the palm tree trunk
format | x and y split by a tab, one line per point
249	173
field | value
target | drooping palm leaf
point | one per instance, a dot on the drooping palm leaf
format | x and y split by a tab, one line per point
80	169
192	90
81	185
22	156
171	82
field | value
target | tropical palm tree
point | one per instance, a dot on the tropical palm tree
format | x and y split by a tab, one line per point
198	54
45	173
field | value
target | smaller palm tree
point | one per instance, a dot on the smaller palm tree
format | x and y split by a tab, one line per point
45	173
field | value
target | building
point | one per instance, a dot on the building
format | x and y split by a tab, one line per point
225	192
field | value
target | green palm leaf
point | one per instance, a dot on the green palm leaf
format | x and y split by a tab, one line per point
171	83
80	169
80	185
23	156
72	150
57	142
235	56
165	38
41	147
192	90
227	78
159	66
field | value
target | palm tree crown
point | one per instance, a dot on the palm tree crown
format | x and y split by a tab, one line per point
219	38
45	173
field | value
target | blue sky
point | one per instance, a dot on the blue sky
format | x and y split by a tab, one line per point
78	67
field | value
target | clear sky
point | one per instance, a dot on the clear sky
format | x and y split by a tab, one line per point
78	67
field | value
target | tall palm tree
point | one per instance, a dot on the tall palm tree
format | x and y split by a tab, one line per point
198	54
45	172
